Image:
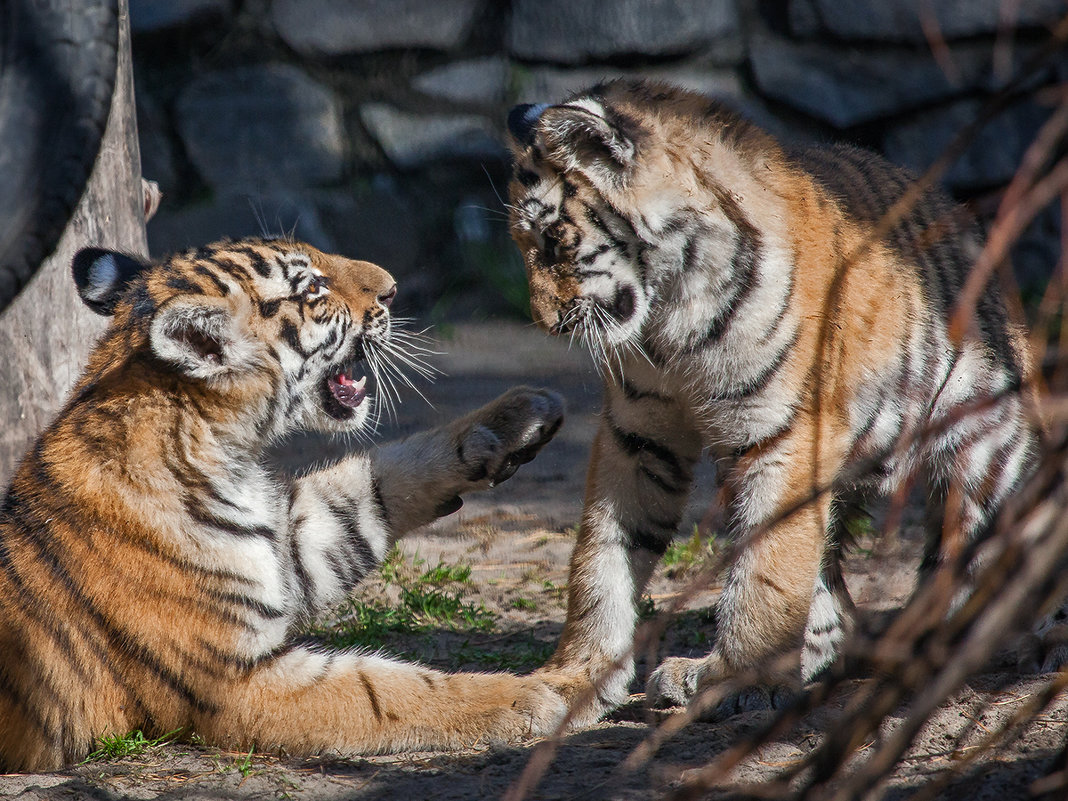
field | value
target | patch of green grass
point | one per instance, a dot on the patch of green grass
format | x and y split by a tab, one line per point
524	603
244	765
118	746
428	599
684	556
442	574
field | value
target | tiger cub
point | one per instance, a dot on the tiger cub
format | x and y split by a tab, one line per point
154	573
710	273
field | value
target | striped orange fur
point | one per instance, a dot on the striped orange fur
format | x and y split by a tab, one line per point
154	572
738	300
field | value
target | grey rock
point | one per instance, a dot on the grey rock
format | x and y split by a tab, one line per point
411	140
337	27
803	18
849	86
236	215
156	15
902	20
262	128
553	84
991	159
573	32
479	80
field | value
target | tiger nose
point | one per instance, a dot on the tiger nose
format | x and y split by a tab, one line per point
386	298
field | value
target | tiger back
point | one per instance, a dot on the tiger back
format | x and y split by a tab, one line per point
154	573
741	298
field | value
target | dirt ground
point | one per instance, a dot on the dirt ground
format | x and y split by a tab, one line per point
516	541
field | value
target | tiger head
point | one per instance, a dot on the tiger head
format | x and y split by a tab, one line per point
271	335
607	191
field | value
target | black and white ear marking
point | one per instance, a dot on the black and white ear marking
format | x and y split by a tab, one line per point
579	133
522	119
101	277
200	338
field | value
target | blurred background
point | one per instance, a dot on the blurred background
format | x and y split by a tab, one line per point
375	129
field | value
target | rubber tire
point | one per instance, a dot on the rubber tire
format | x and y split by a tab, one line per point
58	62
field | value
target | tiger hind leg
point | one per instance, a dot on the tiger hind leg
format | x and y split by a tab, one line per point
308	701
990	462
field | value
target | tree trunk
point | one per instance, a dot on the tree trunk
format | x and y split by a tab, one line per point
46	332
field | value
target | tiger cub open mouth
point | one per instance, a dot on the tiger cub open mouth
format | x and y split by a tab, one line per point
341	393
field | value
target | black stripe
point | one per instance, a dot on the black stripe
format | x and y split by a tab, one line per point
245	602
301	573
259	263
364	556
635	445
371	696
527	178
632	393
744	263
292	338
201	269
591	257
761	380
269	308
201	516
183	284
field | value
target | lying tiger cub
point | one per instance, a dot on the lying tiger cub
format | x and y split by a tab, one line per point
740	298
153	572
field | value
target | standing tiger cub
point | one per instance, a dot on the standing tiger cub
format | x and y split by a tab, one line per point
710	273
153	572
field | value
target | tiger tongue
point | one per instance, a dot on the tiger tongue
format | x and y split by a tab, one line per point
348	392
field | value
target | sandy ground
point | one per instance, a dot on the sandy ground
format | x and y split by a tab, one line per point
517	541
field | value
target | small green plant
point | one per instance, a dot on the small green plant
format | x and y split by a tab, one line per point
646	608
118	746
428	599
524	603
393	564
684	556
244	765
442	574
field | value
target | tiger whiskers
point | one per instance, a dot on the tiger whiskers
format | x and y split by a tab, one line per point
391	360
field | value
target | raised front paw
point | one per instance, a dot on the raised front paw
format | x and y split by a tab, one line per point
508	432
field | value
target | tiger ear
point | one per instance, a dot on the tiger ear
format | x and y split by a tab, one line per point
101	276
200	337
585	139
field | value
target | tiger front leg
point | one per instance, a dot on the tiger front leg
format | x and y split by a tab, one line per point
421	478
638	482
776	599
